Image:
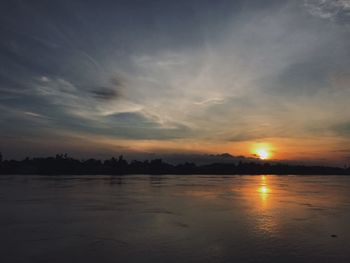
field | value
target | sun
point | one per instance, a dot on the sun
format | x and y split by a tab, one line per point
263	154
262	151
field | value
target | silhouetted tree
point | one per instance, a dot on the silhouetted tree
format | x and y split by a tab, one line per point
63	164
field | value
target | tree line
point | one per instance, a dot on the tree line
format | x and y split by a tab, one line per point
66	165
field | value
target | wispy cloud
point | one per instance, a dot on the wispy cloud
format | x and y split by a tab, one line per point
330	9
232	72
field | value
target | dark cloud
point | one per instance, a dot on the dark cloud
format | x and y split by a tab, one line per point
110	93
105	93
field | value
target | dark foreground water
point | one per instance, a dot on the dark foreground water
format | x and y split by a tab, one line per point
174	219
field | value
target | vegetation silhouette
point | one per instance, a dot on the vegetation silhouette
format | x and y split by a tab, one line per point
62	164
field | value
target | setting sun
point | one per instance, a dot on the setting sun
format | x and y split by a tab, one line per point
262	151
262	154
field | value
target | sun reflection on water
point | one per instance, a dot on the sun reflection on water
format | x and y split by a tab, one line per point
263	190
265	221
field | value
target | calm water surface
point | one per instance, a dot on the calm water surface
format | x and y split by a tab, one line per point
172	218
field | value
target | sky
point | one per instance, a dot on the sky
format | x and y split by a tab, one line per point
97	78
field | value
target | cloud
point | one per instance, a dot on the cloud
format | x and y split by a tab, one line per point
228	72
58	105
137	125
105	93
112	92
330	9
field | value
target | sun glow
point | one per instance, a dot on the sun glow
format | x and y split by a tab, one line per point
262	150
262	153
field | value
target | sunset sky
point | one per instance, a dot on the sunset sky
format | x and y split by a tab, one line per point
96	78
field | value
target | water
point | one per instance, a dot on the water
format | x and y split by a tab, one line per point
175	218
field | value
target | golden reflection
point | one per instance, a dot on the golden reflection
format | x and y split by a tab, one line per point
264	191
266	222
